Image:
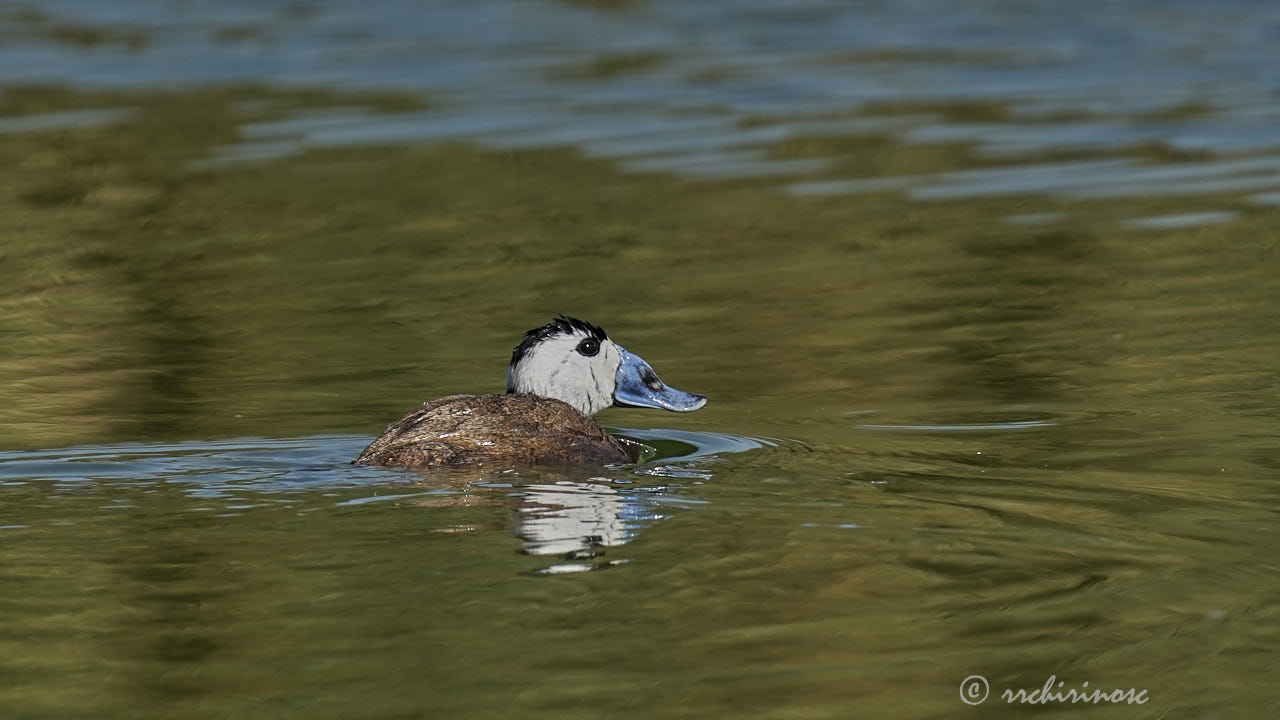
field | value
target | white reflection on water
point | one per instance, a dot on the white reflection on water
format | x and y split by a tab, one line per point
1081	179
570	517
1181	220
579	520
966	427
575	519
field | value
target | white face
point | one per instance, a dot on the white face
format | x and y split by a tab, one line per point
563	367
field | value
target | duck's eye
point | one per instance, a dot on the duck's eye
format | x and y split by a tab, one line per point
589	347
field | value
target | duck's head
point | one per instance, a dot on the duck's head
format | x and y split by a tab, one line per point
575	361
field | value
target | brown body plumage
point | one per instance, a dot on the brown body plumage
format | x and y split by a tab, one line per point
515	428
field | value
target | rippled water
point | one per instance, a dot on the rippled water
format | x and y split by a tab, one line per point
983	298
707	90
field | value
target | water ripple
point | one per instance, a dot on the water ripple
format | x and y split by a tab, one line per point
725	82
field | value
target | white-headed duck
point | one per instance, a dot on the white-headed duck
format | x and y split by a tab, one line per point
561	374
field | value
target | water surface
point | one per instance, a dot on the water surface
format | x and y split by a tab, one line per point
983	298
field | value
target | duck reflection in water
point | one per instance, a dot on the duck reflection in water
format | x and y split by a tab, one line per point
573	519
559	512
560	375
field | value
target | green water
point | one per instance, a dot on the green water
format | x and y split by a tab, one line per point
938	444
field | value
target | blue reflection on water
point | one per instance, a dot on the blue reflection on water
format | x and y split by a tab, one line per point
719	82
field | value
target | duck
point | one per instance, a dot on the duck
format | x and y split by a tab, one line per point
561	374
